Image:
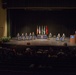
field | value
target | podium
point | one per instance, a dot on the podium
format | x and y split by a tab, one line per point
75	38
41	36
72	39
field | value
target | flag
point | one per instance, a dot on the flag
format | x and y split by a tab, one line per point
42	30
37	30
46	30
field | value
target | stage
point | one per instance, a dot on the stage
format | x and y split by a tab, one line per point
41	42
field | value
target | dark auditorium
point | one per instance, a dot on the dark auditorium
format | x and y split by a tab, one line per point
37	37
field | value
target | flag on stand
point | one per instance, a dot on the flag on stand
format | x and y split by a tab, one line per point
42	30
46	30
37	30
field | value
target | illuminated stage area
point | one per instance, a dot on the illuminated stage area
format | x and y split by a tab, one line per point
37	36
41	42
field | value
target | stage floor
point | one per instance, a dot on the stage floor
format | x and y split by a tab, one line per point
41	42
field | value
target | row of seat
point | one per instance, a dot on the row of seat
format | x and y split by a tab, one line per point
37	58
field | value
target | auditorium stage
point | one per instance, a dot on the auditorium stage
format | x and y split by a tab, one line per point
41	42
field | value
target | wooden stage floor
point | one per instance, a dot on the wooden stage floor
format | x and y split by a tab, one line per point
41	42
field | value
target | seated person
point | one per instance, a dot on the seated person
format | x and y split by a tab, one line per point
18	36
26	36
58	36
50	35
33	35
30	36
63	35
22	36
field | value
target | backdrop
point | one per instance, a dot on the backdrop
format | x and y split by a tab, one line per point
58	21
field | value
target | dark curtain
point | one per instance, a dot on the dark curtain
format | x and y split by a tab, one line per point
58	21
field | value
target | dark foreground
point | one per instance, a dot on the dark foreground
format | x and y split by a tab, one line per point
41	60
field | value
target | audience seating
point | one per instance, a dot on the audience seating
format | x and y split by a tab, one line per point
40	57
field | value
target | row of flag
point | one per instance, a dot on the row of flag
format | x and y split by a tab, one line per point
42	30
